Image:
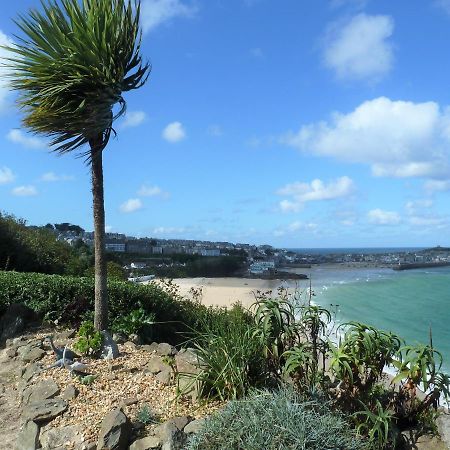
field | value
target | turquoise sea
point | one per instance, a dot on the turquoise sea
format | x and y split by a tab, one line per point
406	302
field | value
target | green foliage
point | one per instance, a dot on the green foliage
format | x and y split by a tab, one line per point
114	271
89	341
278	420
133	322
28	249
378	426
231	356
87	380
72	64
145	415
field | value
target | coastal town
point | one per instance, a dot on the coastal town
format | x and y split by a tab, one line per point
258	259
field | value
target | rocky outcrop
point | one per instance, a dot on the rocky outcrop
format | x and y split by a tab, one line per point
188	367
28	438
115	431
45	410
43	390
16	318
52	438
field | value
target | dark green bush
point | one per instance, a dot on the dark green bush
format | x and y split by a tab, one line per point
69	300
278	420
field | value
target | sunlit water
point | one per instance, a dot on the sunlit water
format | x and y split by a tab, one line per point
407	303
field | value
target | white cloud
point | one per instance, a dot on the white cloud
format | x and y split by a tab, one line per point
4	90
432	186
428	221
6	175
360	49
397	138
301	193
133	119
51	177
131	205
152	191
355	4
295	227
109	228
19	137
381	217
24	191
168	230
174	132
413	206
156	12
444	5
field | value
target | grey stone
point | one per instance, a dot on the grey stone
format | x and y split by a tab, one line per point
30	371
187	361
65	334
31	352
115	431
69	393
10	352
194	426
166	350
156	364
44	410
180	421
28	438
135	339
129	401
14	320
147	443
150	348
130	345
171	437
165	376
43	390
443	423
54	438
119	338
110	350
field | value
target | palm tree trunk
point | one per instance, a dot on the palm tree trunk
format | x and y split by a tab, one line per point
101	295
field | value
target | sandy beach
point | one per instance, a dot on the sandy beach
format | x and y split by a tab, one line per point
227	291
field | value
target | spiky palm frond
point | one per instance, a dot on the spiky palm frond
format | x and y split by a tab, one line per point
71	66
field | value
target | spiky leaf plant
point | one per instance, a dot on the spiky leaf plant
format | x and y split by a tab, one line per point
71	65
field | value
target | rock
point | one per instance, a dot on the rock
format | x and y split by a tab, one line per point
156	364
443	423
119	338
194	426
43	390
30	371
171	437
115	431
135	339
187	361
55	438
129	401
44	410
180	421
109	347
149	442
150	348
10	352
166	350
130	345
28	438
165	376
32	354
111	377
65	334
69	393
14	320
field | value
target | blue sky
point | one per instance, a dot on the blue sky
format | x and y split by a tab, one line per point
294	123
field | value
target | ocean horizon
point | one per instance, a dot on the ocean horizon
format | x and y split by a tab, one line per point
353	250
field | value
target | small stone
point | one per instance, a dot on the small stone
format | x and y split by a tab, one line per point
55	438
44	410
180	421
150	348
28	438
111	376
10	352
171	437
65	334
156	364
194	427
70	392
115	431
130	401
130	345
148	443
43	390
135	339
119	338
165	376
109	347
32	354
166	350
30	371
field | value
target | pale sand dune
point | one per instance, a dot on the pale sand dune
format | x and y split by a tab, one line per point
226	291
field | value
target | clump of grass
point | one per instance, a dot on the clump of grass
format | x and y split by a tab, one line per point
278	420
145	415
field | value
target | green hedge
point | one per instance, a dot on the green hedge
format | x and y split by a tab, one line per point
68	300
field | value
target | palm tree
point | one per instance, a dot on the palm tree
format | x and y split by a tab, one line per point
70	67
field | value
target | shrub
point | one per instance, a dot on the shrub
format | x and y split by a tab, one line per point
89	341
134	322
278	420
146	416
